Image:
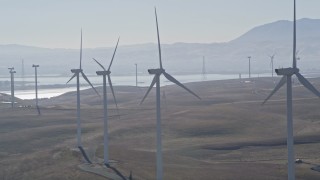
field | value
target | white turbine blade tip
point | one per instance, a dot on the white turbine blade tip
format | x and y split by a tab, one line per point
99	63
307	84
172	79
114	97
74	75
114	53
85	77
279	85
151	86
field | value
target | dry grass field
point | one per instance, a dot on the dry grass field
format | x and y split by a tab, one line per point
227	135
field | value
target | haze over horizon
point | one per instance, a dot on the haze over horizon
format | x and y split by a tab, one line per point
231	57
56	24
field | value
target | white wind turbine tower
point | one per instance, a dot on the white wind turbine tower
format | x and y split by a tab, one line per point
287	74
12	85
156	80
104	74
77	73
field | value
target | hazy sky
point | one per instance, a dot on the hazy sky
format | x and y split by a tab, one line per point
57	23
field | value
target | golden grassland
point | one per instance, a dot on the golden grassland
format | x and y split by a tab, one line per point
227	135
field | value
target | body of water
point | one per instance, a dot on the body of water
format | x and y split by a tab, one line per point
143	81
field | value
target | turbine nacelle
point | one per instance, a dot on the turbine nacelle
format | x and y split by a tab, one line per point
11	70
76	70
33	65
156	71
287	71
103	73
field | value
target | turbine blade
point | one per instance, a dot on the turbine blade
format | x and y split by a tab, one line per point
99	63
151	85
307	84
112	91
74	75
113	54
159	47
38	109
85	77
279	85
81	50
172	79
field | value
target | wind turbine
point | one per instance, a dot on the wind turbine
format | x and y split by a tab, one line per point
156	80
287	75
104	74
36	86
297	55
204	72
271	63
77	73
12	85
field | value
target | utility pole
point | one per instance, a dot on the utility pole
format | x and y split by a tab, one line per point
249	57
136	74
204	73
36	87
12	85
22	73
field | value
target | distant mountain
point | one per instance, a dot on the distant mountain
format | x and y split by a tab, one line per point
178	58
307	29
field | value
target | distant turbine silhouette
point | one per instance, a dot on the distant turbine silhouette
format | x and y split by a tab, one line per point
156	80
271	63
287	77
204	72
104	74
12	72
297	57
77	73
